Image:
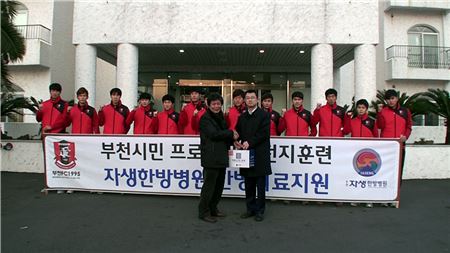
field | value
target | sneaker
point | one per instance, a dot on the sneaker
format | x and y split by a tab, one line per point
339	204
247	215
209	219
305	203
393	205
259	217
60	192
218	214
69	191
385	204
354	204
369	205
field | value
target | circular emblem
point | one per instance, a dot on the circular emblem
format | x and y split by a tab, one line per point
173	116
367	162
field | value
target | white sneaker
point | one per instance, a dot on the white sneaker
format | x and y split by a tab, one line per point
69	191
369	205
385	204
354	204
60	191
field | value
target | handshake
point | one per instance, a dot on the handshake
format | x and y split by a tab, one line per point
238	144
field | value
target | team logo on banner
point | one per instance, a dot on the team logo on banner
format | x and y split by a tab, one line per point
367	162
65	154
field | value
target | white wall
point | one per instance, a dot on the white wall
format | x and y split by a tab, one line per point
252	21
106	80
39	12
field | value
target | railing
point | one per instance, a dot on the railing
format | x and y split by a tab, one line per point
35	32
421	56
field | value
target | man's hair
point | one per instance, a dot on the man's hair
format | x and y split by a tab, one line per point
82	90
330	91
362	102
267	96
145	95
214	97
238	92
297	94
251	91
168	97
55	86
390	93
115	91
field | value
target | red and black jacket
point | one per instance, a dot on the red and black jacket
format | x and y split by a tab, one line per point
233	114
394	122
189	122
167	122
361	126
144	119
298	123
84	119
330	119
275	119
54	114
113	118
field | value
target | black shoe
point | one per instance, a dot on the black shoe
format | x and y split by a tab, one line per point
247	215
259	217
209	219
218	214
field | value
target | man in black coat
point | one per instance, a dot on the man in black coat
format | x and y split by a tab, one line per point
253	128
215	139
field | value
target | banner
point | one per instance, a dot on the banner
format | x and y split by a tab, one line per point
334	169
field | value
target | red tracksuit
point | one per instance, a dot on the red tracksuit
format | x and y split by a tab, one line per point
331	119
298	123
54	114
394	122
361	126
167	122
113	118
144	119
233	115
275	118
84	120
187	117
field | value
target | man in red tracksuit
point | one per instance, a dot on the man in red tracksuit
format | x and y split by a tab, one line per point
190	115
144	116
238	108
53	112
330	117
113	116
267	102
167	120
297	121
84	118
361	125
395	121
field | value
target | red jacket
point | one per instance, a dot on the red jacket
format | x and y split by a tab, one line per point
144	119
298	123
168	122
187	116
360	126
114	119
53	113
394	122
330	119
233	114
275	119
84	120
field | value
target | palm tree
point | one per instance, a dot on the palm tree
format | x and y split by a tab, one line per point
13	44
435	101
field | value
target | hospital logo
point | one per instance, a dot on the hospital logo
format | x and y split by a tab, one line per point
367	162
64	154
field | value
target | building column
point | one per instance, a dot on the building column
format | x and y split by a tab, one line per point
127	73
321	72
85	70
365	72
446	36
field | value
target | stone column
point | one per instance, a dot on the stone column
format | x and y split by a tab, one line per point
127	73
85	70
321	72
365	72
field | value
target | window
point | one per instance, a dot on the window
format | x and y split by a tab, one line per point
423	51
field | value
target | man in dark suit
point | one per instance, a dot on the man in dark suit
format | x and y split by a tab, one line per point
253	128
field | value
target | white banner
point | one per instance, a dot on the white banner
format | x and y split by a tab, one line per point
303	168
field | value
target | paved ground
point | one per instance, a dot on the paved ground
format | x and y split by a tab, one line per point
33	222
